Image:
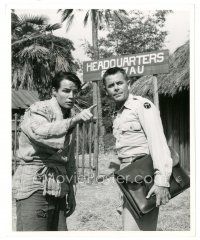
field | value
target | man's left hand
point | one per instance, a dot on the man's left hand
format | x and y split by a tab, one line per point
162	195
71	203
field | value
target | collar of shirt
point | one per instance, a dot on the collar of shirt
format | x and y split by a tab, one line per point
128	104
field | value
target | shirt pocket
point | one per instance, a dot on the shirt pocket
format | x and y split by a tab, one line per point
131	127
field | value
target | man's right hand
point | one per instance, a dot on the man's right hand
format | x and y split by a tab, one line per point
162	194
85	115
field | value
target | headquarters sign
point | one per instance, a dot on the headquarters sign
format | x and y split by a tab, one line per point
135	65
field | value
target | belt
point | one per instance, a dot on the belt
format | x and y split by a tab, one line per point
131	159
39	162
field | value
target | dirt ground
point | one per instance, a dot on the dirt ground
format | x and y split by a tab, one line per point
96	211
97	204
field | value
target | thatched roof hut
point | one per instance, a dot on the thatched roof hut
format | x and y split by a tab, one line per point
168	84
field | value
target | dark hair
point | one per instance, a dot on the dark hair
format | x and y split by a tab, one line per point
65	75
112	71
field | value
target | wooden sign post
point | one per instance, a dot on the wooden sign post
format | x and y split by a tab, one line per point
96	128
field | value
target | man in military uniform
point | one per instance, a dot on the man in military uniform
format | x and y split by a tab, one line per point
138	131
43	182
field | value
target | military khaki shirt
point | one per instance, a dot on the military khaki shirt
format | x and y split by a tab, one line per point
138	130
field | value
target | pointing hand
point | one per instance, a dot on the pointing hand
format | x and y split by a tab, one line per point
92	107
85	115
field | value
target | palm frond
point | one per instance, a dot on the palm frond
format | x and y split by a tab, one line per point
23	75
34	19
15	78
28	38
14	17
61	64
66	14
20	74
26	28
69	22
53	27
34	52
85	21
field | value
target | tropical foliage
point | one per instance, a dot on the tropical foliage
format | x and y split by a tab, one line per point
37	54
137	33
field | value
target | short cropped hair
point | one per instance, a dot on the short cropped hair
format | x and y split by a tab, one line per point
112	71
65	75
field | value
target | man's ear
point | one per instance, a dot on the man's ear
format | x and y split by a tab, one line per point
104	88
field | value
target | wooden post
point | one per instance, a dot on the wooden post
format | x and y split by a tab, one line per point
96	128
77	151
83	149
155	92
15	143
98	133
90	150
95	97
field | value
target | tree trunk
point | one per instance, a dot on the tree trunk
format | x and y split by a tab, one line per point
96	88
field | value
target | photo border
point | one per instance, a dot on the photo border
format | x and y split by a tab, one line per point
6	94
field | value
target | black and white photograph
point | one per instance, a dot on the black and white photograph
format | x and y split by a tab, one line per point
101	118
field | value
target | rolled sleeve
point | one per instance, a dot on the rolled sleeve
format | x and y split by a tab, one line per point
151	122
